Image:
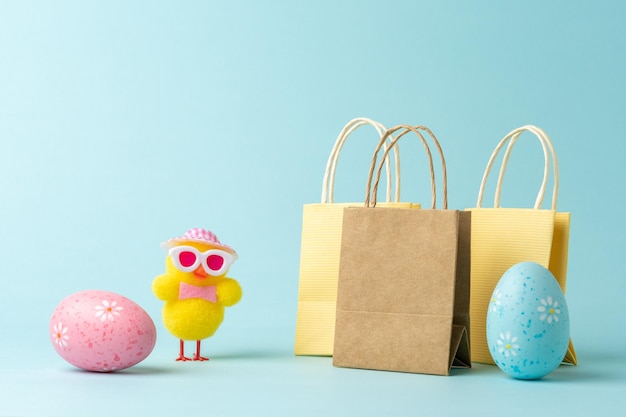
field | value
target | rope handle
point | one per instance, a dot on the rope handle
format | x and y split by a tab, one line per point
511	138
328	184
406	129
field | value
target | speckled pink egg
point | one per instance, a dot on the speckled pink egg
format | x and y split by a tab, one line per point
101	331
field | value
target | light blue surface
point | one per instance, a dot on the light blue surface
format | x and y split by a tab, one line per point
122	124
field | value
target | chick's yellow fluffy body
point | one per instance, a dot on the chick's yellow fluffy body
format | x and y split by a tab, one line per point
193	318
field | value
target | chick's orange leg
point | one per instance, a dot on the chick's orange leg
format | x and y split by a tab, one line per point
197	356
181	355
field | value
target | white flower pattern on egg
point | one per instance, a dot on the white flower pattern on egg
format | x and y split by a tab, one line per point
60	335
108	310
549	310
507	345
495	300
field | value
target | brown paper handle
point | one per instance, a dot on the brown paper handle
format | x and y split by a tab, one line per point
511	138
328	184
416	130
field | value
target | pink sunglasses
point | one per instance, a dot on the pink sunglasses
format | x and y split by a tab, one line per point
215	262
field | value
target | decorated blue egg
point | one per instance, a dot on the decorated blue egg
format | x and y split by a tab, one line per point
527	322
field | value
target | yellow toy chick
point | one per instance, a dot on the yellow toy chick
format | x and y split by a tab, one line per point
195	287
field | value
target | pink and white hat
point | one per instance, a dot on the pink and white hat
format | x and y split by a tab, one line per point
198	235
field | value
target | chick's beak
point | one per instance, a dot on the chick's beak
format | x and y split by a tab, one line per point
200	273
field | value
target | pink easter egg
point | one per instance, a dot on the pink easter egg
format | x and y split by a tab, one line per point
101	331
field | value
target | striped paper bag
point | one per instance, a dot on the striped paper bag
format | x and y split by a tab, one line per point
319	252
503	237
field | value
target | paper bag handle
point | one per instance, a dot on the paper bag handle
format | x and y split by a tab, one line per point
394	141
328	184
511	138
555	166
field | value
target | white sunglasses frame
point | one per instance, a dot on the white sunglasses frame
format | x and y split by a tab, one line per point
201	258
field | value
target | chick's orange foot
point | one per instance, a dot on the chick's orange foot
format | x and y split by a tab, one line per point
196	356
200	358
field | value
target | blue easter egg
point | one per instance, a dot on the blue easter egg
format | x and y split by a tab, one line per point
528	322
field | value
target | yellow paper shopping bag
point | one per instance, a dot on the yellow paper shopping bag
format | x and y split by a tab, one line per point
503	237
319	252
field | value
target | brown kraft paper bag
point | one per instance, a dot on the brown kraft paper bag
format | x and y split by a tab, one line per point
403	287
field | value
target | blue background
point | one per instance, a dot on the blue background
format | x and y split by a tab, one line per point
122	124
